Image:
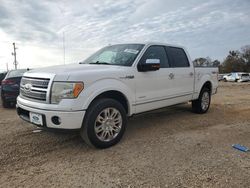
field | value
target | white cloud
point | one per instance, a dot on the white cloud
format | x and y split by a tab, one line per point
207	28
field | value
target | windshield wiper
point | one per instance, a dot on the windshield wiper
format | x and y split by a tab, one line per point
100	62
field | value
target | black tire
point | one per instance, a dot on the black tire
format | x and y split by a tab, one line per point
197	105
87	131
225	80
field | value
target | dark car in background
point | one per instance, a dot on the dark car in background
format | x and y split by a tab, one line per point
10	87
2	76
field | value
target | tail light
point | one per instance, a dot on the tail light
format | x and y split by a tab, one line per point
8	82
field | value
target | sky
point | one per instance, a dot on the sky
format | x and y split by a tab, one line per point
205	27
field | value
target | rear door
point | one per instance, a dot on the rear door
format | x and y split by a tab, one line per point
183	73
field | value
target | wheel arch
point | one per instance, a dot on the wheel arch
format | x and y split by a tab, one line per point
208	85
116	95
108	88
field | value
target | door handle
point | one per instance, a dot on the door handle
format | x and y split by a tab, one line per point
171	76
191	74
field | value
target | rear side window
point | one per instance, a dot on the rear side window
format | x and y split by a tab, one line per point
178	57
156	52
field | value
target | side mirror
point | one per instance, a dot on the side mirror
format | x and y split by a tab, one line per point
149	65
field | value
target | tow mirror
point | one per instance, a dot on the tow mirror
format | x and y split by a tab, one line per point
149	65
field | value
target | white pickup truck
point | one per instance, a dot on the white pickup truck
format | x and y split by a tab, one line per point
97	95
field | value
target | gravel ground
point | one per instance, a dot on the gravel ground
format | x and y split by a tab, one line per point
171	147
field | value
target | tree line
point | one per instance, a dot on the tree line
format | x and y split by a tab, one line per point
235	61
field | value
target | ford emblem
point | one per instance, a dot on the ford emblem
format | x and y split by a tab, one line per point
27	87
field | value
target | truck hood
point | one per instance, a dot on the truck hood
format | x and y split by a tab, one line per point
63	72
72	68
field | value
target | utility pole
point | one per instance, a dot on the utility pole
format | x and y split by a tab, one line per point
63	48
14	54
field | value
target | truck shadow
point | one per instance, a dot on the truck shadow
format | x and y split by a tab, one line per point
34	143
162	117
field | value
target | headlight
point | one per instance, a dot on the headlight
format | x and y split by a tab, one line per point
65	90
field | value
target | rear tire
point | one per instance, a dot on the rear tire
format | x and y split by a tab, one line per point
104	123
202	104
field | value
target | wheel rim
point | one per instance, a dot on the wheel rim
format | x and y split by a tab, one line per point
108	124
205	100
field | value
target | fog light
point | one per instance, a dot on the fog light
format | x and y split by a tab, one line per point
56	120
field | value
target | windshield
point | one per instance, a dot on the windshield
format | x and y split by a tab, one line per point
120	54
16	73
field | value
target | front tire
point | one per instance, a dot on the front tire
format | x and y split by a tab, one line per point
202	104
104	123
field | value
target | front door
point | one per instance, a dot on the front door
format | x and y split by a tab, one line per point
154	87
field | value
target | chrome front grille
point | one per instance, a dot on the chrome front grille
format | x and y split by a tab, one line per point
34	88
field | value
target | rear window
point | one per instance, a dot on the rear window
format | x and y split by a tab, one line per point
178	57
16	73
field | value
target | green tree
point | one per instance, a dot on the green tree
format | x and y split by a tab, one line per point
200	62
246	57
206	62
216	63
233	62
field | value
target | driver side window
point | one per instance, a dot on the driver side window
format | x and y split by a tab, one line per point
156	52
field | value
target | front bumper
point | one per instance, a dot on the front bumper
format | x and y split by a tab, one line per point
68	119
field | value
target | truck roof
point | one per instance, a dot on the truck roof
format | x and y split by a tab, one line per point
154	43
164	44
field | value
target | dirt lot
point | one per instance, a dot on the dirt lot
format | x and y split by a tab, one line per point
169	148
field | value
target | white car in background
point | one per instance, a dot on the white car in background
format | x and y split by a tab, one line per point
220	77
237	77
